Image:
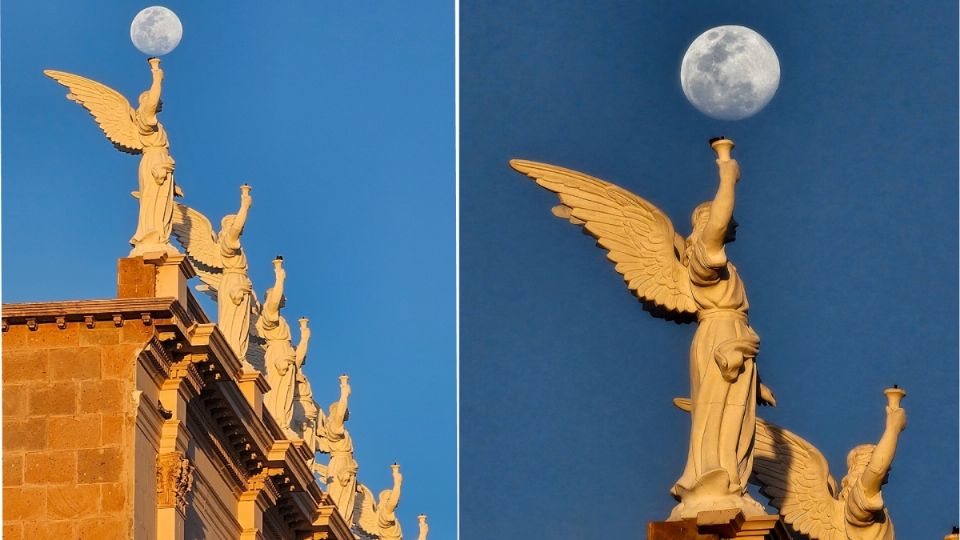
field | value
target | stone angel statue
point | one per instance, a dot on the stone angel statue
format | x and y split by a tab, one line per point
684	279
135	131
222	266
424	528
340	474
280	361
379	519
796	478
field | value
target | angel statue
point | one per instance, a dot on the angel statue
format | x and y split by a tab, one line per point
222	266
280	359
681	279
307	417
135	131
340	474
379	519
796	478
424	528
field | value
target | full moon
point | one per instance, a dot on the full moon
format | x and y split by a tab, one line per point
156	31
730	73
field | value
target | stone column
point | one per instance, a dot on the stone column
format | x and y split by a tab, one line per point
261	494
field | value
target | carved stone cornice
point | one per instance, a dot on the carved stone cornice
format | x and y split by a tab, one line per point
262	485
185	376
174	480
156	360
96	310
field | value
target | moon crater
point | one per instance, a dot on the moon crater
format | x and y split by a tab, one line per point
730	72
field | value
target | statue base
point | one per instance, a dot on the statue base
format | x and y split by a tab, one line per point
720	525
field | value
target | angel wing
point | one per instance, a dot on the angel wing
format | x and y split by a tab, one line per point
795	476
108	107
257	344
638	237
195	233
365	511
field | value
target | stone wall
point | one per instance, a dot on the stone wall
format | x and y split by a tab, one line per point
68	428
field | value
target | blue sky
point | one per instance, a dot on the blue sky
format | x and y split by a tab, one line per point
341	117
847	245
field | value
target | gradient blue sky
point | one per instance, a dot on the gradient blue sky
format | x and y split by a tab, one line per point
341	117
847	245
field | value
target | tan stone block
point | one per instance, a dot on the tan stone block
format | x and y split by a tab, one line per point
102	396
56	398
136	332
21	503
14	401
112	427
50	467
113	497
12	531
101	334
49	335
119	361
24	365
71	501
15	337
99	465
53	530
75	363
30	434
135	279
12	469
73	432
103	528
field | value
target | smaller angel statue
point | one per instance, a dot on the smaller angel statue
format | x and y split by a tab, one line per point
795	476
222	266
340	474
307	417
379	519
135	131
281	360
424	528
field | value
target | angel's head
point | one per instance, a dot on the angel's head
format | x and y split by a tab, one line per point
226	223
857	461
335	406
699	220
382	499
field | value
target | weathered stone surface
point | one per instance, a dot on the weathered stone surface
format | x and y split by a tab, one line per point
53	399
104	397
24	503
24	365
75	363
676	530
50	467
12	469
28	434
72	501
73	432
99	465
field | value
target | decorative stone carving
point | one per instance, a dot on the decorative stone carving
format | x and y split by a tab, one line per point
380	519
684	279
222	267
174	480
135	131
340	474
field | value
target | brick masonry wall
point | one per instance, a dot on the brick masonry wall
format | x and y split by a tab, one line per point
68	430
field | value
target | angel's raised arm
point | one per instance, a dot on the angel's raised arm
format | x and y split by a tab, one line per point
149	105
394	499
232	234
304	341
721	210
884	452
271	304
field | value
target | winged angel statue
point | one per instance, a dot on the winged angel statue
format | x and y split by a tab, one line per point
222	267
135	131
378	519
796	478
683	279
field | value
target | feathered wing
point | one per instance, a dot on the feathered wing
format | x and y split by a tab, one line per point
109	108
795	476
638	237
256	344
365	511
196	235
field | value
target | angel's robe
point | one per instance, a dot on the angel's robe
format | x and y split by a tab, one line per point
867	517
155	180
280	362
233	297
342	469
389	526
723	419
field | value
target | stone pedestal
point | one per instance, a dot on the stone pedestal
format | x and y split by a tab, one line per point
719	525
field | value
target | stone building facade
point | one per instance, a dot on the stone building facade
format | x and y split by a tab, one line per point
133	418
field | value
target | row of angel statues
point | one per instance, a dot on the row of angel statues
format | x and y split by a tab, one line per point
689	279
256	331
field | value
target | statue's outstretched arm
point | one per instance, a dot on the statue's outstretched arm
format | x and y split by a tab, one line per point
884	452
394	499
336	418
721	210
148	107
236	229
304	341
271	304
